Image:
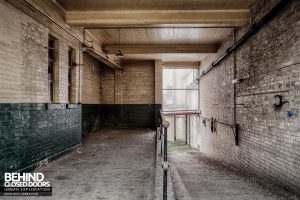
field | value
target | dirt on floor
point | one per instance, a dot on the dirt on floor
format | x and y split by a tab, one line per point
111	164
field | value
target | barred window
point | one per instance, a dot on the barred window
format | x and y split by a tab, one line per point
72	63
51	60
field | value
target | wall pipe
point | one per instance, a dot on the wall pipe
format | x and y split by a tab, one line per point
254	28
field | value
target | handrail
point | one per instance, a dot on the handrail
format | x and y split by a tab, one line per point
170	113
234	127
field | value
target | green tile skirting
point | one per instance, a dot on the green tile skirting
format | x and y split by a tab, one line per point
119	116
129	115
90	117
30	133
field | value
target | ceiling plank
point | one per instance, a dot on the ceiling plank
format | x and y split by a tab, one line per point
162	48
151	17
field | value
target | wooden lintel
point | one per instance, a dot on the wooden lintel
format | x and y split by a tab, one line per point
151	17
161	48
183	65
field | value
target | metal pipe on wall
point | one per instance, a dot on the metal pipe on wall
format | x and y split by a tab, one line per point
254	28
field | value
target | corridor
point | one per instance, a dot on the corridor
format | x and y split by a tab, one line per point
94	95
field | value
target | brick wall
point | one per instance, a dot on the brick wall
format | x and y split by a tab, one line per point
128	97
22	41
31	129
269	63
91	94
107	86
138	83
134	85
91	73
119	99
24	62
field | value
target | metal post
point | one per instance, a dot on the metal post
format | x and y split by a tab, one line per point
174	127
186	129
165	181
162	141
189	130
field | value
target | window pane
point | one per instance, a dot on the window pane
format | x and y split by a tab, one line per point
179	78
180	100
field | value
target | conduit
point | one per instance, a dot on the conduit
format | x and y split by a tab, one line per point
254	28
33	7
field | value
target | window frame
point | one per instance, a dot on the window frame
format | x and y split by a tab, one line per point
71	65
195	74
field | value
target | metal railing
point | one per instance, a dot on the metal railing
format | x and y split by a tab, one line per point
187	115
162	144
162	134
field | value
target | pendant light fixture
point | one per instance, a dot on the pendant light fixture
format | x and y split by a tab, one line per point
119	54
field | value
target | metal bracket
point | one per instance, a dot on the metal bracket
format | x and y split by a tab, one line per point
235	130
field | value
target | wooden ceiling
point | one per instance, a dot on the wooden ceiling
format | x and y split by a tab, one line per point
168	44
143	29
95	5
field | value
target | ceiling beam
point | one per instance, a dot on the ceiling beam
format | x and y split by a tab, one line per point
179	65
155	17
161	48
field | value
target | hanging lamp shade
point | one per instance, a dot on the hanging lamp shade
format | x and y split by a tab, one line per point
119	54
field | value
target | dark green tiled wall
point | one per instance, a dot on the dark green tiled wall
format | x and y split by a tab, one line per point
90	117
129	115
32	132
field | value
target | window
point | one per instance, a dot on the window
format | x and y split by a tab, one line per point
72	63
51	59
180	89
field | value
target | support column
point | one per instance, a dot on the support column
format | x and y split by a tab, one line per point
118	107
118	87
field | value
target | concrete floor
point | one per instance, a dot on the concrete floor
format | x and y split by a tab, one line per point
121	165
195	176
111	164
